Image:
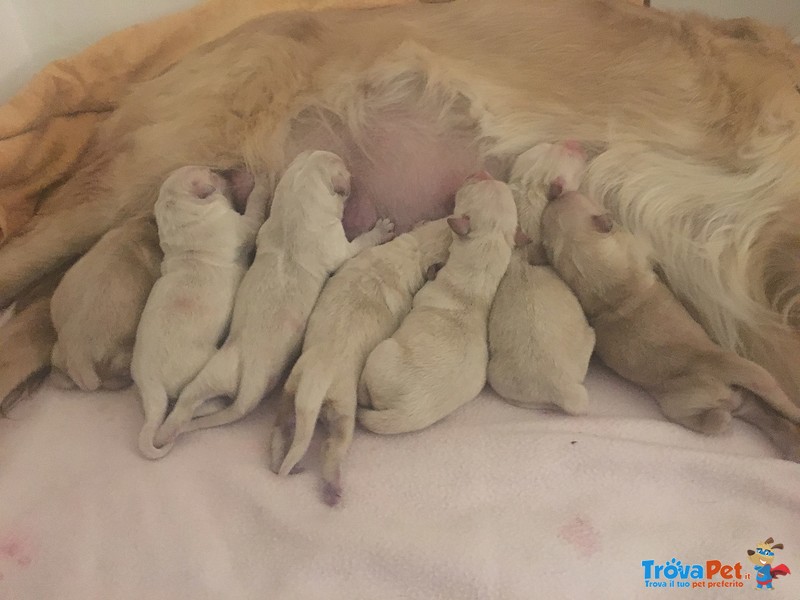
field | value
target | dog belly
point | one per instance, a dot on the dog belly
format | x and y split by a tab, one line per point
402	168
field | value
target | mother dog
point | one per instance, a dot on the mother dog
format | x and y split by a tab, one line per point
694	123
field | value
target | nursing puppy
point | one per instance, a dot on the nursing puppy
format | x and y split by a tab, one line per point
362	305
539	341
97	306
696	117
644	333
437	360
206	246
297	249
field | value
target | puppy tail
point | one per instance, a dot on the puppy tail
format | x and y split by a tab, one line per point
154	402
311	392
739	371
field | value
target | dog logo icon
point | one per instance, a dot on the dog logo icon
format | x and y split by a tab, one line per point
762	557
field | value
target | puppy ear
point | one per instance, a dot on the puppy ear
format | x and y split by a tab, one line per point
459	225
556	188
521	238
432	271
778	546
750	552
602	223
341	185
537	255
768	540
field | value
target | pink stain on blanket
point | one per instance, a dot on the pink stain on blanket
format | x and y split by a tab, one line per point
13	549
580	534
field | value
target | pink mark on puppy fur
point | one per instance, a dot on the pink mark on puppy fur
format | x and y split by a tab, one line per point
580	534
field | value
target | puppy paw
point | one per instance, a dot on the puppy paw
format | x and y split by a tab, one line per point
331	493
384	230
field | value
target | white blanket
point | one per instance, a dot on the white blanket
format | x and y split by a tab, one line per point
494	502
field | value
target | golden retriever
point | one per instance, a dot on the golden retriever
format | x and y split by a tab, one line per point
693	124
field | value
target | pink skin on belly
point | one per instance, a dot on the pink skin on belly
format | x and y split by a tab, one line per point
402	170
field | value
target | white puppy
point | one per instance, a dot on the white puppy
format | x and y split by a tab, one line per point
647	336
539	341
298	248
362	305
97	305
206	246
437	360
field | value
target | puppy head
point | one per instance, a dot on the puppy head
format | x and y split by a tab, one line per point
193	190
585	246
535	173
484	207
317	178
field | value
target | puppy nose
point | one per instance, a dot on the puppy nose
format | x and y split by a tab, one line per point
479	176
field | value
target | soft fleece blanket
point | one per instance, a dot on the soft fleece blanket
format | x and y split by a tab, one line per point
495	502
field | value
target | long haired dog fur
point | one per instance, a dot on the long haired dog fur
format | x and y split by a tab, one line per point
644	334
539	341
436	361
97	306
700	119
207	246
298	247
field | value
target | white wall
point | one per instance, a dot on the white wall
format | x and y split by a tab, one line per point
34	32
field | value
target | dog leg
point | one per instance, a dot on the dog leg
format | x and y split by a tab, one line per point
383	231
339	419
26	343
282	433
218	378
781	432
702	409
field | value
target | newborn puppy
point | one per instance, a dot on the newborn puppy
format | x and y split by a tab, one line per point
359	307
206	246
539	341
546	169
645	334
96	308
437	360
297	249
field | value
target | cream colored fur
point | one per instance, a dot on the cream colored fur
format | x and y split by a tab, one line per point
206	246
539	342
298	247
644	334
436	361
362	305
97	306
701	120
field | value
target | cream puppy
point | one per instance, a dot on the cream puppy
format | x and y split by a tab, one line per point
206	246
539	341
297	249
647	336
362	305
437	360
97	305
560	166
